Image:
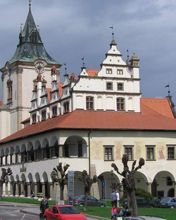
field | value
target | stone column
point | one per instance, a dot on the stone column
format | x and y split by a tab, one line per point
35	189
17	189
61	151
149	187
43	189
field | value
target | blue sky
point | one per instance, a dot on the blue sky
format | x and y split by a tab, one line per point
72	29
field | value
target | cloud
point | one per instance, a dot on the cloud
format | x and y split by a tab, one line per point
75	28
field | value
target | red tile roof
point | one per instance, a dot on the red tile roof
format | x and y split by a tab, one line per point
155	114
92	72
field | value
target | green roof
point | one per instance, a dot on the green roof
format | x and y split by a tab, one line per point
30	45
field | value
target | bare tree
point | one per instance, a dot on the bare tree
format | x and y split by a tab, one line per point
59	175
5	173
88	181
128	181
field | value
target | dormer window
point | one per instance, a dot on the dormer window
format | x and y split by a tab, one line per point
43	115
108	71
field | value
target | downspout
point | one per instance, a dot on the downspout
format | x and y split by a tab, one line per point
89	132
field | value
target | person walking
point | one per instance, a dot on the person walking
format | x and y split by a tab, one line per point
114	198
43	205
118	198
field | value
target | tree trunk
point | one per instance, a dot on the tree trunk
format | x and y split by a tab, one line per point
1	187
133	203
61	192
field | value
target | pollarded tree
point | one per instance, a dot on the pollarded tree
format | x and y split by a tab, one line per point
88	181
128	181
59	176
5	172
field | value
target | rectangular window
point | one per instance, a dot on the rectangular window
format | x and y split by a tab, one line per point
43	115
171	152
54	111
120	86
128	149
66	107
119	72
150	152
120	104
33	118
109	71
109	86
89	102
108	152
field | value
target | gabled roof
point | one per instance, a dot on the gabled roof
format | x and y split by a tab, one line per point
30	45
155	115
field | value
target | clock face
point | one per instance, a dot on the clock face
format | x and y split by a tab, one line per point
39	66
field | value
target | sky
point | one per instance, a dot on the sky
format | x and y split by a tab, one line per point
72	29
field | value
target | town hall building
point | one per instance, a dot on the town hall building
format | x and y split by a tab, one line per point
87	121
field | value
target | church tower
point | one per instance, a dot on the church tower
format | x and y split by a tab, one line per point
19	72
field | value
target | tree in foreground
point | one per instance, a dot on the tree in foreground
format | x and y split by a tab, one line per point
5	173
59	175
128	181
87	181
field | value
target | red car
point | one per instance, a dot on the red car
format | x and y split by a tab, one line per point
63	212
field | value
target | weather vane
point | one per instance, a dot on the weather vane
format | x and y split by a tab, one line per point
112	27
65	67
30	3
83	63
168	86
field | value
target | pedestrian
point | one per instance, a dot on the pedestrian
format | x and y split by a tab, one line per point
114	212
118	198
114	198
43	205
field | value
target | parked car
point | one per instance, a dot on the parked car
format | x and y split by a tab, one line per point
91	201
168	202
64	212
141	202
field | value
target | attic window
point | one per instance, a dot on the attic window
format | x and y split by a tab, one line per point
43	115
109	71
33	118
119	72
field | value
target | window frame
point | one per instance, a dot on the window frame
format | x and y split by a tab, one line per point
108	70
109	85
89	103
108	152
43	115
169	147
122	86
119	71
120	104
126	151
148	152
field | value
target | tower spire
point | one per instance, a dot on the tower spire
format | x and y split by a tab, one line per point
113	39
30	4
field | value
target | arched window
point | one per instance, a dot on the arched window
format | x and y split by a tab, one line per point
120	104
9	90
89	102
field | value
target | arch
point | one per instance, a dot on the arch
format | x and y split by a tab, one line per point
37	177
12	150
160	187
46	184
141	181
30	150
30	177
6	151
53	140
38	151
46	149
2	152
54	147
45	177
75	146
107	181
